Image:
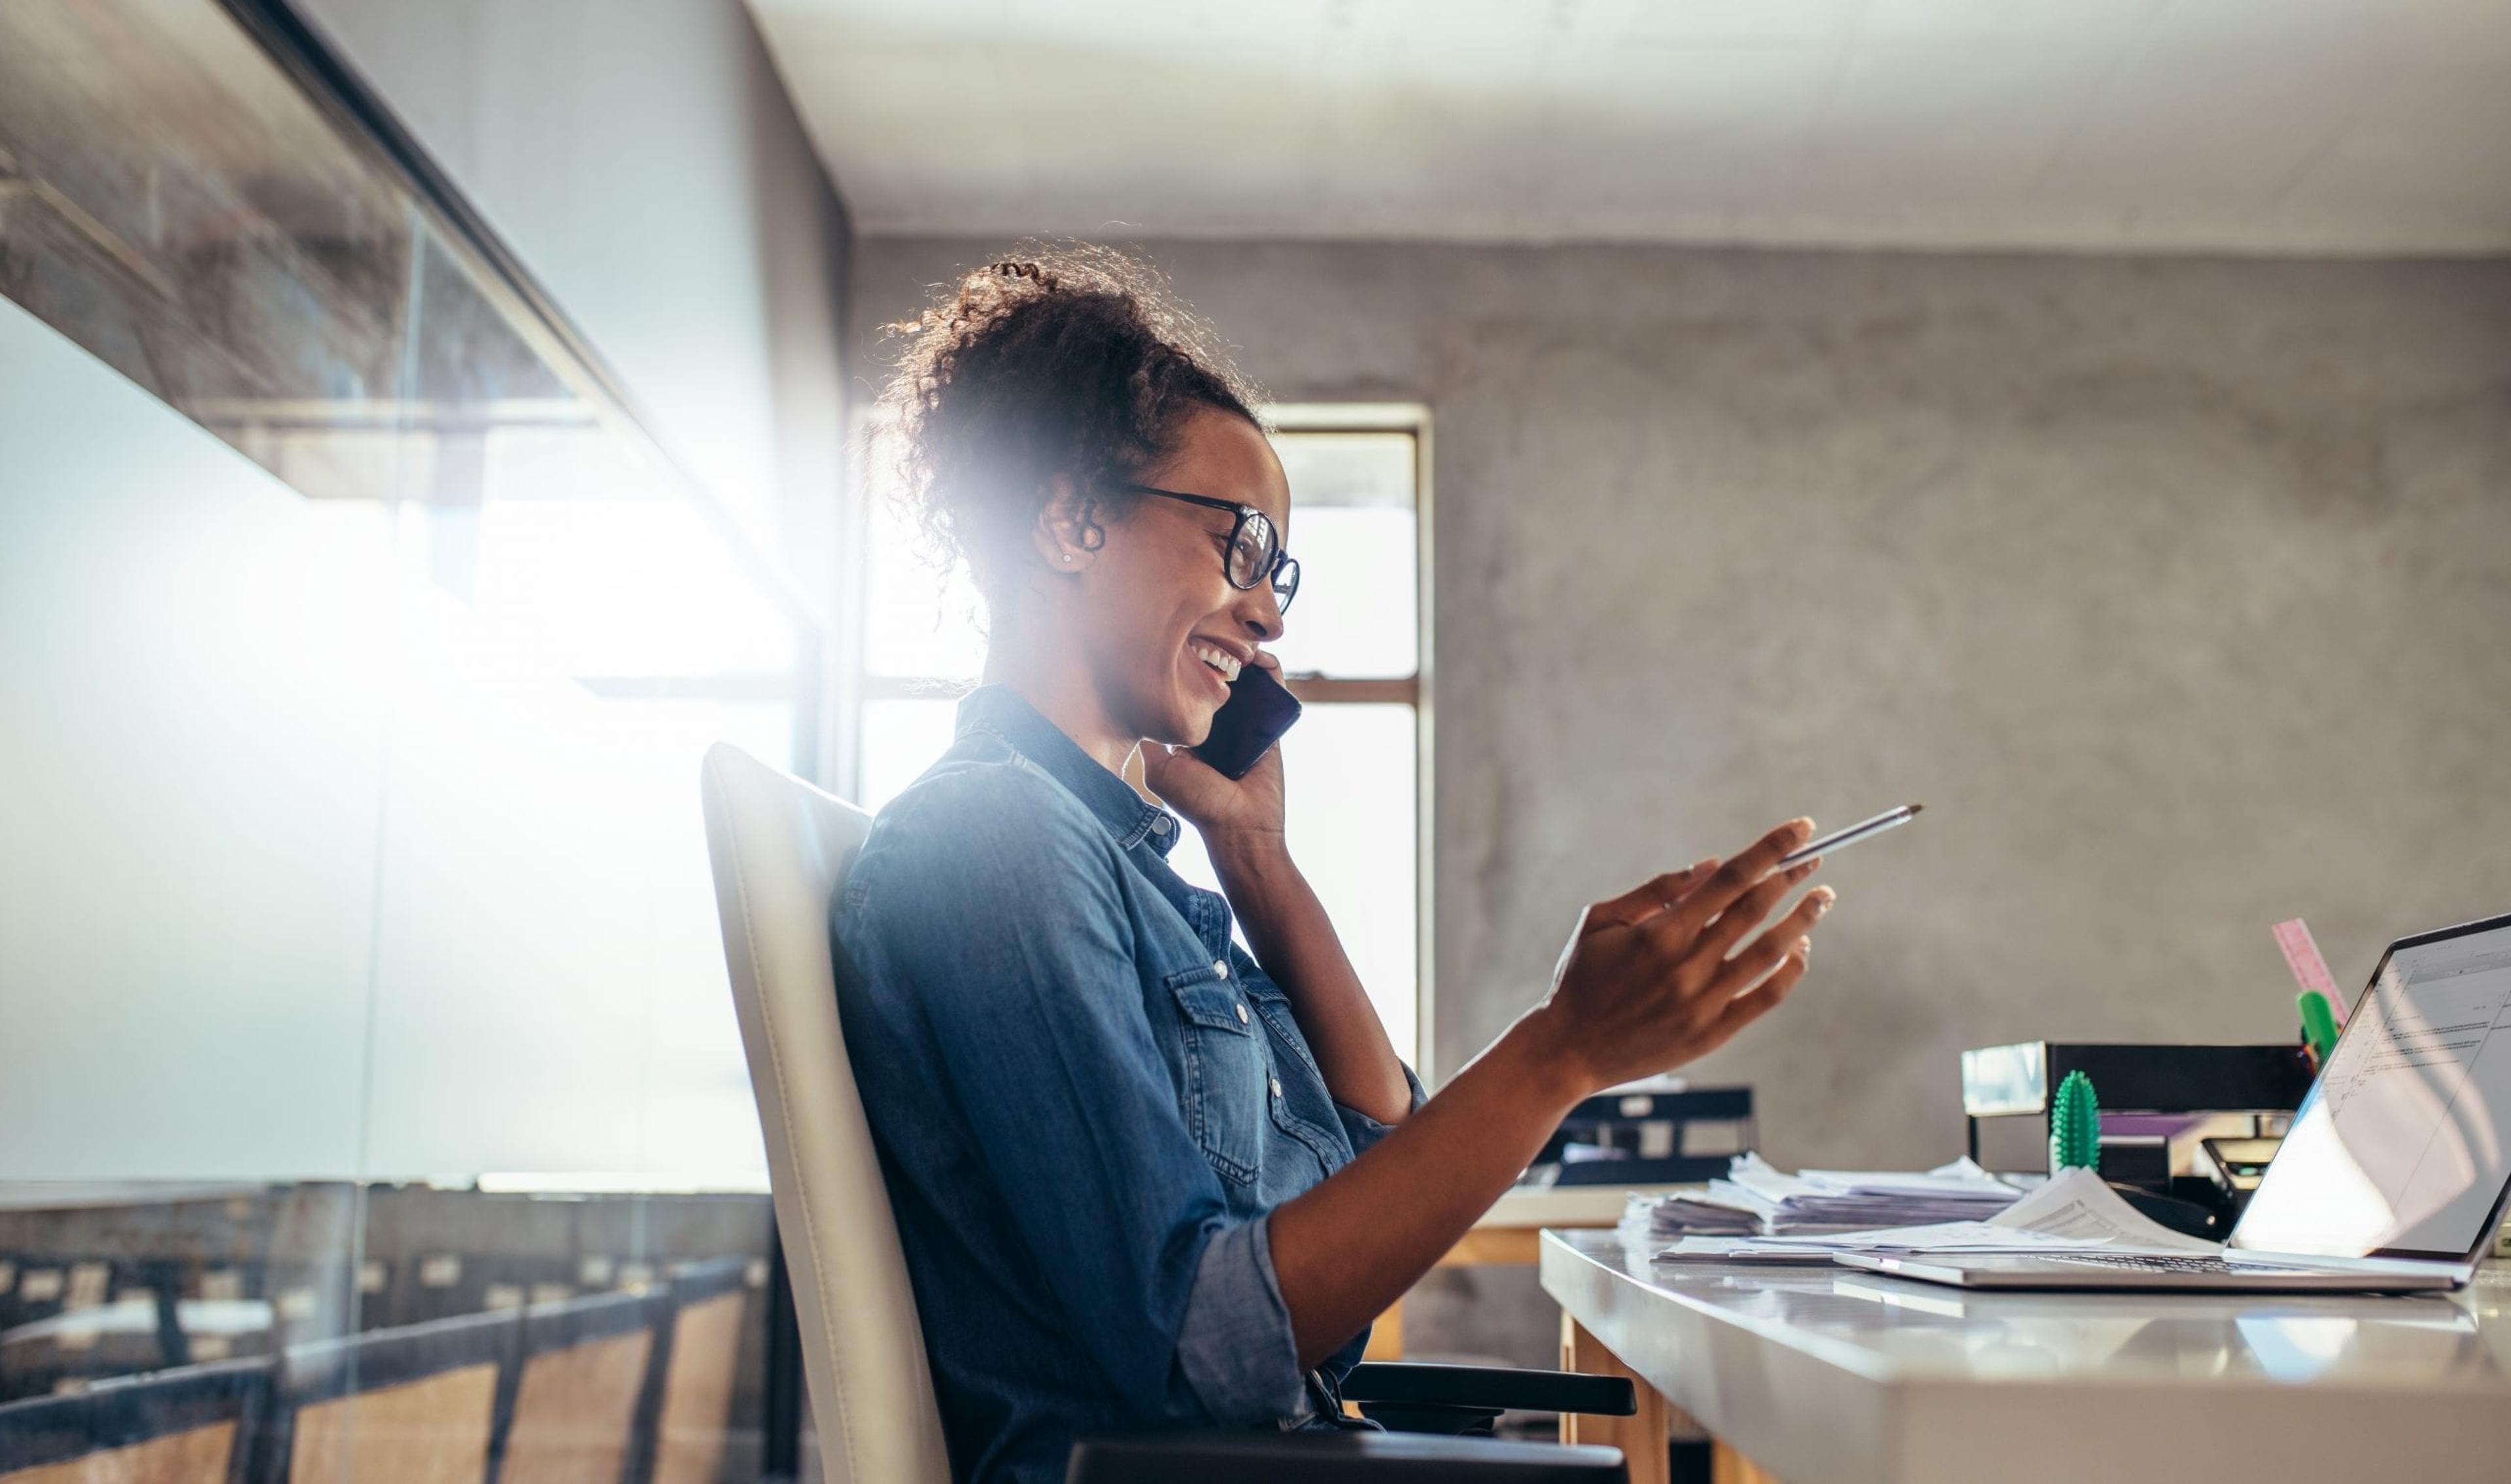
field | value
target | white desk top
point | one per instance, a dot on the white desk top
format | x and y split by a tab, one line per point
1826	1376
1569	1205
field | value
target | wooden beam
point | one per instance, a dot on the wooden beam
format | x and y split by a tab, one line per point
1641	1436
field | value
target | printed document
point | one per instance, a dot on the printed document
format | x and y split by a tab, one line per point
2076	1212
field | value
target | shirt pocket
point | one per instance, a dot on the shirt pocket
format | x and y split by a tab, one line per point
1226	1076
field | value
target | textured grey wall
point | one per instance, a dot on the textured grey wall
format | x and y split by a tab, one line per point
2179	589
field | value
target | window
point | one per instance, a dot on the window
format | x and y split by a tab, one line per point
1357	762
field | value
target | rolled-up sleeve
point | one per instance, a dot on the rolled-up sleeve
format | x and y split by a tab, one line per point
1235	1345
1048	1049
1364	1130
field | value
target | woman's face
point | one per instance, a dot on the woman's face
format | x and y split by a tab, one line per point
1166	630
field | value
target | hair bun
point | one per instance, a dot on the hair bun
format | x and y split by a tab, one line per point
1066	359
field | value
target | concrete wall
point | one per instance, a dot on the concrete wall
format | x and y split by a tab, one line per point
2180	591
644	161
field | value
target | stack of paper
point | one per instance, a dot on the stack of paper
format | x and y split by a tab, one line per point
2074	1212
1672	1216
1839	1201
1755	1199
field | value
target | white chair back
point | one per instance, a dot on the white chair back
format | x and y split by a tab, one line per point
781	849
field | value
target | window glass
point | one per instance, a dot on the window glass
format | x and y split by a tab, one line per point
1354	527
1356	613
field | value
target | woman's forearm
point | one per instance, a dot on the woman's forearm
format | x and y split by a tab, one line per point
1292	936
1350	1246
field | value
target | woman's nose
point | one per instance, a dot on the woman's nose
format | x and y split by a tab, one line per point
1260	611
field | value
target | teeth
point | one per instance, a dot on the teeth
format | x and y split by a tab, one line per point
1217	658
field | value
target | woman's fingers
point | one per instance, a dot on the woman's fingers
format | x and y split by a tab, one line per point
1763	954
1759	1000
1650	898
1737	922
1734	879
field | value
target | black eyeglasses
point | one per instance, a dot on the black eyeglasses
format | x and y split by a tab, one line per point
1255	552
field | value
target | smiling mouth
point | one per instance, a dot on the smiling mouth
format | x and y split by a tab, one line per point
1218	660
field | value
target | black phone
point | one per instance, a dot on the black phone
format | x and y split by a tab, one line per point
1256	713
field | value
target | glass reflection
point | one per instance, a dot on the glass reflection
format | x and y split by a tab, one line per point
171	202
149	1333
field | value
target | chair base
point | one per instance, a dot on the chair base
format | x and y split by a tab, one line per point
1335	1458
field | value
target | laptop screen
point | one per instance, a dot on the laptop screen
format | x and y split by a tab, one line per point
2404	1145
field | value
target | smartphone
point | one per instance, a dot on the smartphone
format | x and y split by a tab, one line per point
1253	718
1890	818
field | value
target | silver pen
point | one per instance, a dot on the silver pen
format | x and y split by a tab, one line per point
1890	818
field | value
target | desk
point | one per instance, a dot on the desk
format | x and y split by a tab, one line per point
1828	1375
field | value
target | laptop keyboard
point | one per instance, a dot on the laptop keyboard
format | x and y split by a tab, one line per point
2214	1266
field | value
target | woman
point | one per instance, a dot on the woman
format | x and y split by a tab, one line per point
1146	1179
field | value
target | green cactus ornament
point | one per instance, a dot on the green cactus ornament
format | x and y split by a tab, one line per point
2075	1127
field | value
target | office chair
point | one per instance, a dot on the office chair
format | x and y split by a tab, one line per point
781	849
579	1411
417	1402
185	1426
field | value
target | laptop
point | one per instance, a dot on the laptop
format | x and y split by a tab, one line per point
2396	1170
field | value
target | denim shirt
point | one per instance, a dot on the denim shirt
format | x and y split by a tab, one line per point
1085	1098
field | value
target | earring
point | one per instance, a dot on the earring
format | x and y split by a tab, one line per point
1067	556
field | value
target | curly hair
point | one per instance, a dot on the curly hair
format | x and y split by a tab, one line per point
1066	359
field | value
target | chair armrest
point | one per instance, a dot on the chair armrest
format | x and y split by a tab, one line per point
1335	1458
1489	1386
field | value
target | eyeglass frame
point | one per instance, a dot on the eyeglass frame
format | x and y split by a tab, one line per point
1245	512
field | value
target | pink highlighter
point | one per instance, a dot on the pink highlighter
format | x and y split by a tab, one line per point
2309	970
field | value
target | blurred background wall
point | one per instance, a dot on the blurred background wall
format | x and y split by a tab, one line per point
2174	586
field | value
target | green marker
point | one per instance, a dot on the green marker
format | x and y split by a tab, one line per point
2318	1023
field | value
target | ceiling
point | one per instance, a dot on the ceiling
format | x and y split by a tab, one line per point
2278	126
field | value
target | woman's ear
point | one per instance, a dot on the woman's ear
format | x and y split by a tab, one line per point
1067	533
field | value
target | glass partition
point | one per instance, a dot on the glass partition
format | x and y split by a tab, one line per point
369	1083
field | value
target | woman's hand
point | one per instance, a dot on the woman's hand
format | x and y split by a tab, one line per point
1651	979
1231	813
1671	971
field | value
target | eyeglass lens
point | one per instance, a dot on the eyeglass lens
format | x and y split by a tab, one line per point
1252	557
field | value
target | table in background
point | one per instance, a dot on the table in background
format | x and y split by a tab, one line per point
1508	1237
1829	1376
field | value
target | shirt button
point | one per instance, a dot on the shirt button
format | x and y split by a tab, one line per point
1220	969
1160	825
1242	1014
1277	1086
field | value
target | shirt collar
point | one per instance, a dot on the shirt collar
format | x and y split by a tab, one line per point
1004	713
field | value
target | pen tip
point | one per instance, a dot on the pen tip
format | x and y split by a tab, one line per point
1915	808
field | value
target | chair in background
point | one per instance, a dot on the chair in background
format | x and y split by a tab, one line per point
695	1408
585	1369
412	1405
187	1426
781	849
